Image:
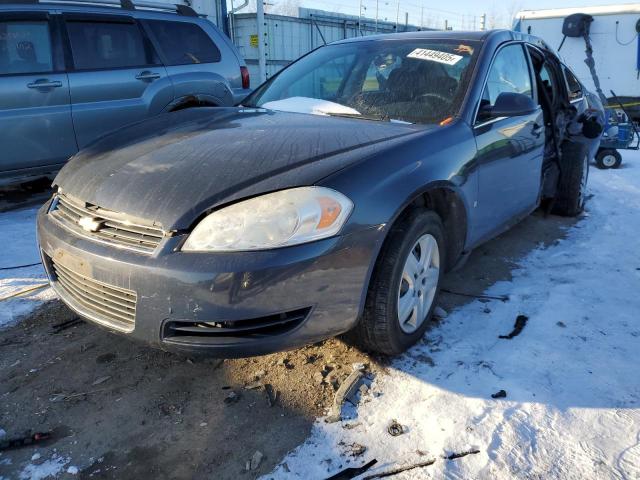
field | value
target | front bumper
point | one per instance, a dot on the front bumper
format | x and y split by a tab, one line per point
322	283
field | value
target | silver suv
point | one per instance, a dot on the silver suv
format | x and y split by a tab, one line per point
72	72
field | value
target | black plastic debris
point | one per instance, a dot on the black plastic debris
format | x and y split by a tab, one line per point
352	472
453	456
521	321
500	394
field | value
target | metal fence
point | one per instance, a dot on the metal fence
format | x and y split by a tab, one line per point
287	38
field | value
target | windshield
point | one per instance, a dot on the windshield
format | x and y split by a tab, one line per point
416	81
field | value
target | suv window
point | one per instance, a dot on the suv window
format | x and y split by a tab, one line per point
509	73
98	45
575	89
184	43
25	47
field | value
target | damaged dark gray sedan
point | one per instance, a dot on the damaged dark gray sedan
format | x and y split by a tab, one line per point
331	201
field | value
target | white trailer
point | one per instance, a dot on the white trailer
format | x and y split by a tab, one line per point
616	47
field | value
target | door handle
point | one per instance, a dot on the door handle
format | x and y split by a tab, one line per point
44	83
147	75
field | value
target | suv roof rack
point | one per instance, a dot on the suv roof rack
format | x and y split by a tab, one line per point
180	9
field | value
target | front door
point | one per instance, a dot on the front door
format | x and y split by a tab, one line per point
510	150
35	114
116	77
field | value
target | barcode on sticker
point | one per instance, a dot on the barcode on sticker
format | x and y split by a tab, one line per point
435	56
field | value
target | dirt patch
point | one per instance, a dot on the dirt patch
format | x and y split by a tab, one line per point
122	410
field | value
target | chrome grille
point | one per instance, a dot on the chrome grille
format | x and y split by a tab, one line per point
111	227
112	306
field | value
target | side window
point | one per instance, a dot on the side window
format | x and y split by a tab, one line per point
548	81
97	45
184	43
509	73
575	89
324	81
25	47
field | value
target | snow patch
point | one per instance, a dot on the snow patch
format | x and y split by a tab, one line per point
19	247
48	468
572	408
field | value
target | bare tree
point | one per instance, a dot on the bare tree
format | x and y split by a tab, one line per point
288	8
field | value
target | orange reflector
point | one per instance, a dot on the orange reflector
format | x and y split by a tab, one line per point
330	211
446	121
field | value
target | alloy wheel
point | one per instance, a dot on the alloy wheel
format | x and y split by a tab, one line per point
419	283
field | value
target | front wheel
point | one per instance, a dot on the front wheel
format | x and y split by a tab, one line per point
404	286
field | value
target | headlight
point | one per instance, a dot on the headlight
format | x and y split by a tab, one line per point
287	217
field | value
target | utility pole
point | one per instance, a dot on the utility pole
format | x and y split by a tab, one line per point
262	41
397	15
446	24
422	18
483	22
377	15
406	21
360	19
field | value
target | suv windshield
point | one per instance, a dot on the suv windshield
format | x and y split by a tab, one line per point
416	81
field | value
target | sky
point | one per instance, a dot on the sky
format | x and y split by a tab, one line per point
458	13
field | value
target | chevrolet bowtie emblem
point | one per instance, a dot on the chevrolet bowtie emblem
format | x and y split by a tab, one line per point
89	224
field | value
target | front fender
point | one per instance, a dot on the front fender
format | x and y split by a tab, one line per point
382	186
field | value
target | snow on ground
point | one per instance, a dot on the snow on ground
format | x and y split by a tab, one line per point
573	389
18	244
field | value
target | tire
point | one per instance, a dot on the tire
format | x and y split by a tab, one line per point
574	172
608	158
380	328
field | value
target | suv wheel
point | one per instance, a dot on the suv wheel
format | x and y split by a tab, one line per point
572	185
405	285
608	158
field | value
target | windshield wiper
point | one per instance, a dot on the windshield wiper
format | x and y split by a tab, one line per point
366	117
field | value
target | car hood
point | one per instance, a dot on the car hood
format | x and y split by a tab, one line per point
174	167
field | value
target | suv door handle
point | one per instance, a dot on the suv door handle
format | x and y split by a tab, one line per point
44	83
147	75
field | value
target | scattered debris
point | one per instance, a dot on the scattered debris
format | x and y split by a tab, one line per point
453	456
398	470
59	327
232	398
272	394
350	426
255	461
440	312
502	298
395	429
359	366
352	472
347	388
101	380
254	385
561	324
500	394
355	449
521	321
364	389
25	441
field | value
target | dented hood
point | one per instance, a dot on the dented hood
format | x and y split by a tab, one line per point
174	167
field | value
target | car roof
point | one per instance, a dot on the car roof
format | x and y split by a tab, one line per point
497	36
111	7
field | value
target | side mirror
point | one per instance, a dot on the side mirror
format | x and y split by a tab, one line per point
509	104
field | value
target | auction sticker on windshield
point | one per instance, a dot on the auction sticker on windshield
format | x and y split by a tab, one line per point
435	56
